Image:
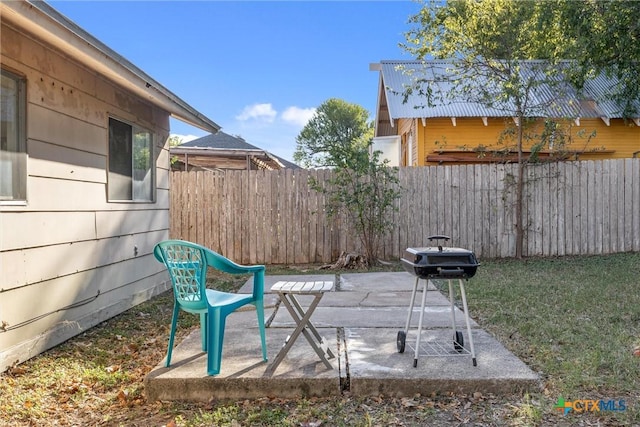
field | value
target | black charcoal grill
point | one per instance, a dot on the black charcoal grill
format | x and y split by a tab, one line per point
439	263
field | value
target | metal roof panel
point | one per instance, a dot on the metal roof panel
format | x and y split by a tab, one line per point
438	88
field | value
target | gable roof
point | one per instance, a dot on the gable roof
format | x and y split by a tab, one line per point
397	76
221	140
222	144
47	24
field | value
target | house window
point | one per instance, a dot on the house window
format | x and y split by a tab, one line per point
13	146
131	172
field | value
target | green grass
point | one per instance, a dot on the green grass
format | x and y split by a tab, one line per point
574	320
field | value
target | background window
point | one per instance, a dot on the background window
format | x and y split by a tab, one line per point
130	162
13	152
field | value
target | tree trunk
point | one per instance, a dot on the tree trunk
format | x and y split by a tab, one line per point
349	261
520	192
519	209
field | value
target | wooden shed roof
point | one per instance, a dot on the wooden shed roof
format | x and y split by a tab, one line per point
224	151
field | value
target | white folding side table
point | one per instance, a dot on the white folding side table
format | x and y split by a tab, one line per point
287	292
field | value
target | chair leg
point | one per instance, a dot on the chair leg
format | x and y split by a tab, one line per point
215	338
203	330
174	322
261	325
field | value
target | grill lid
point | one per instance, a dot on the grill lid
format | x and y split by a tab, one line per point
440	262
456	257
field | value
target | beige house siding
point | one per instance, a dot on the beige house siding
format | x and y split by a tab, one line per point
68	246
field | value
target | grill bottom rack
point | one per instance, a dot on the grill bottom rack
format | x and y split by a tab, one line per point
439	349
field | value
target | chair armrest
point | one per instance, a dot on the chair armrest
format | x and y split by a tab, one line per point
221	263
157	252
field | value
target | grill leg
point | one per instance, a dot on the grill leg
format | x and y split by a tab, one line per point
453	307
411	304
424	299
466	315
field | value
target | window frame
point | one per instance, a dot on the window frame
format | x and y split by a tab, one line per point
111	190
21	139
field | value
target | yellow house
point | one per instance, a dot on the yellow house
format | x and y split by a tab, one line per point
429	126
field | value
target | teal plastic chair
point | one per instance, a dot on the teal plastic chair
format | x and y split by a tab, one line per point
187	263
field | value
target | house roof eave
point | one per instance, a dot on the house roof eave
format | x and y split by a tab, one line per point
50	26
208	151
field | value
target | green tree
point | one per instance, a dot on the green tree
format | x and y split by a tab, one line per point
362	187
174	141
514	48
337	131
603	36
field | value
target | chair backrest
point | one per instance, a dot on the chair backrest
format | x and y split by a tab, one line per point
187	263
187	266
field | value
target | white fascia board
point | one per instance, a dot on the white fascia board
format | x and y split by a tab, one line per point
381	93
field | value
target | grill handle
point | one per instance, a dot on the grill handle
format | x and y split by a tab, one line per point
439	237
450	272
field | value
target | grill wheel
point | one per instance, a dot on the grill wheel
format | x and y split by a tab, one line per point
458	342
401	341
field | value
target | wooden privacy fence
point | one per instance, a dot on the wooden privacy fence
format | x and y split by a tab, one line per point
274	217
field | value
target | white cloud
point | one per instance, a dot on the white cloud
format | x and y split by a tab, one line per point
185	138
262	112
298	116
265	127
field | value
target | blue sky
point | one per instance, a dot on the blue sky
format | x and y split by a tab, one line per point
259	68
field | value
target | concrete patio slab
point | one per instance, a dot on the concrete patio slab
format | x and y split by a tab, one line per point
376	282
376	368
374	317
243	372
360	320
